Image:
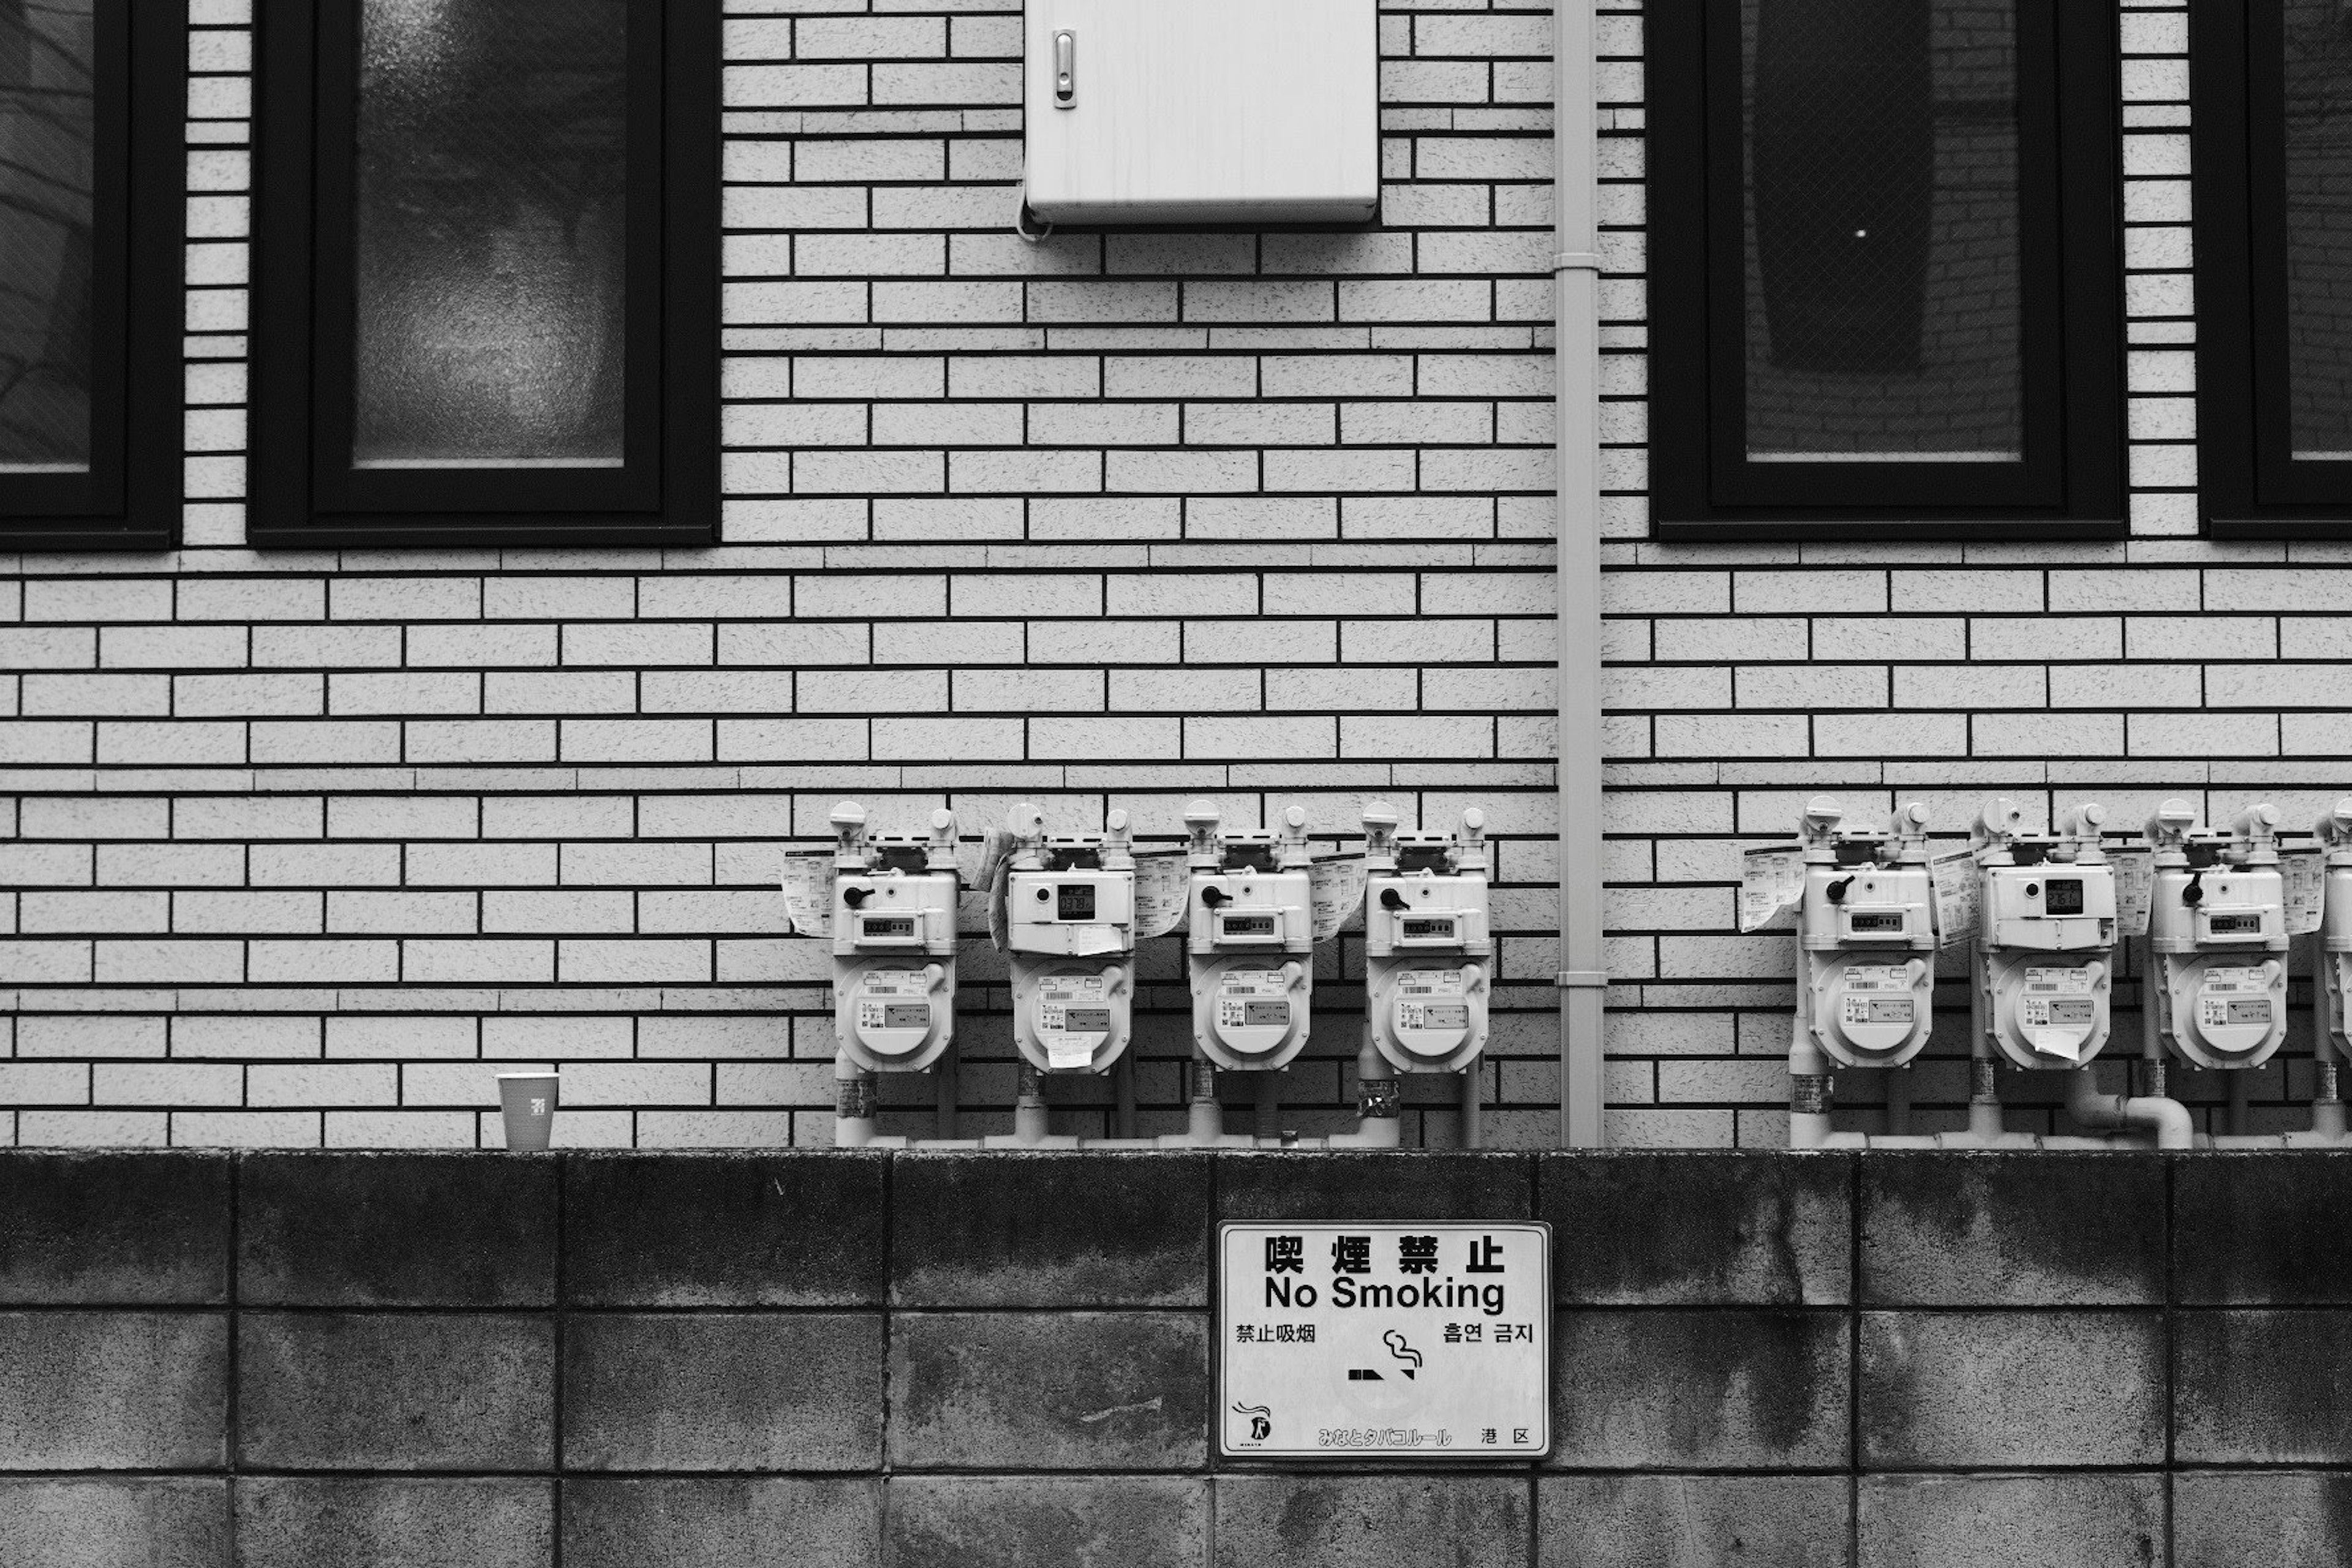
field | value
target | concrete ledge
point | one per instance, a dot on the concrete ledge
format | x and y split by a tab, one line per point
1688	1229
2262	1230
1990	1230
1000	1229
1434	1186
397	1230
113	1229
750	1230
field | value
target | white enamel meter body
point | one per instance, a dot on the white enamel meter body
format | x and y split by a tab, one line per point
1866	931
2045	945
1428	954
1068	929
1250	942
2217	936
894	942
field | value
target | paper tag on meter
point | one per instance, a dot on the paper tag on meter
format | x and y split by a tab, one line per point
1163	891
808	891
2135	889
1957	882
2305	874
1338	884
1771	881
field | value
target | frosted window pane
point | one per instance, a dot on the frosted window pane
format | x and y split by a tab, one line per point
491	178
46	177
2319	228
1881	231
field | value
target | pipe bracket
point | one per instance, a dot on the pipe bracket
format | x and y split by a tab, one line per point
1575	262
1569	979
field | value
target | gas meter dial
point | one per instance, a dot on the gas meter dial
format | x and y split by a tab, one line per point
1866	929
894	942
2217	936
1067	924
1251	945
2046	947
1428	956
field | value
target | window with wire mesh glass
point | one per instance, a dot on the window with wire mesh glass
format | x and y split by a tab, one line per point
1884	268
2271	85
92	104
490	272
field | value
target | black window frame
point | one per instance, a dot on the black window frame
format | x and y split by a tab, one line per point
304	490
2249	484
131	497
2072	483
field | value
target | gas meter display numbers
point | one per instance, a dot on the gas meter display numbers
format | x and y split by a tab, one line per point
2063	897
892	926
1350	1341
1249	925
1074	901
1440	929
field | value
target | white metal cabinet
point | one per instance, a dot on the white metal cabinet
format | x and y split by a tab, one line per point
1204	110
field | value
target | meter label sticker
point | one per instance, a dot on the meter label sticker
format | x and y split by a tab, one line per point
1162	891
2305	874
2055	1012
2068	982
1234	1014
1068	1050
1878	977
2238	981
1252	982
1252	998
1354	1341
892	983
1335	884
808	891
1071	988
2134	886
1877	1010
1957	882
1432	1015
1431	983
1771	881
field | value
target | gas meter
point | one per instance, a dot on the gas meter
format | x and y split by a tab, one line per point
1428	958
1251	939
2046	938
1066	921
894	942
1866	931
2217	936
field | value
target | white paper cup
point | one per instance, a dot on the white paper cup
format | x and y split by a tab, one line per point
529	1101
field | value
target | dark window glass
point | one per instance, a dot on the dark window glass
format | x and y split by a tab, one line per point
2318	63
1881	231
491	227
47	217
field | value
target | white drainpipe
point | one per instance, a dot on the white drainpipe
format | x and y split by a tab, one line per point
1575	276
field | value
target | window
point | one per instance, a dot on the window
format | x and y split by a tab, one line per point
486	263
93	101
1884	258
2272	131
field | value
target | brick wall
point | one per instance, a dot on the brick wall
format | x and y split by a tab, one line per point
1782	1361
296	846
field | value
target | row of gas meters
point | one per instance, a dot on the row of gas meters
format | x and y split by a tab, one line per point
1067	910
2045	914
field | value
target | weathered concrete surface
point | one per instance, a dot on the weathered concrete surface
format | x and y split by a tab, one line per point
409	1391
721	1523
1275	1186
146	1522
2262	1230
113	1228
2262	1387
998	1229
1987	1230
1679	1230
1963	1390
1061	1391
114	1391
1469	1520
1694	1390
395	1230
2277	1518
1082	1522
2106	1520
723	1391
288	1522
750	1230
1647	1521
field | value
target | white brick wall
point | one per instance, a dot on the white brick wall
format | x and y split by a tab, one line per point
302	847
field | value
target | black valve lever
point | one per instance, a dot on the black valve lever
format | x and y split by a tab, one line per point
1392	899
1836	890
854	897
2192	895
1212	896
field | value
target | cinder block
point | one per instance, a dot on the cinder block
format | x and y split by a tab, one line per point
1698	1228
1005	1521
1980	1389
148	1522
1371	1522
2253	1387
1064	1390
778	1230
1430	1186
727	1523
1984	1230
1638	1522
421	1391
1050	1230
113	1229
397	1230
799	1391
2280	1518
114	1391
2016	1522
287	1521
2261	1229
1651	1389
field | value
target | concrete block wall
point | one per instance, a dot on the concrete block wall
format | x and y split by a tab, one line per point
721	1359
298	848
